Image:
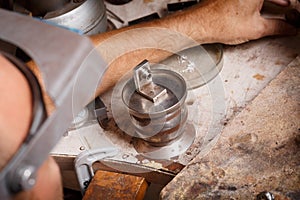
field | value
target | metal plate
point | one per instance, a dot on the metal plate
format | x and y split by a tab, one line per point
177	147
197	65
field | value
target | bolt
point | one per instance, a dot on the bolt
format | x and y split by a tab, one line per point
81	148
27	177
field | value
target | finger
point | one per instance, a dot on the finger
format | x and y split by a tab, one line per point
280	2
278	27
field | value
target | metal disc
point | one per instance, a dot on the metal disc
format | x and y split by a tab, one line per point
176	148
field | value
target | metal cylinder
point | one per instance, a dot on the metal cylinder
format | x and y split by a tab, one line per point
88	16
160	122
40	8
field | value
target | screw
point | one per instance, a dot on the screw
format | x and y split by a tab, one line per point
27	177
81	148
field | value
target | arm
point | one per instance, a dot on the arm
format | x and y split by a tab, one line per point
15	120
218	21
229	22
15	106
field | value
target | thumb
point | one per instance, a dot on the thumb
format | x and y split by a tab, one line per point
278	27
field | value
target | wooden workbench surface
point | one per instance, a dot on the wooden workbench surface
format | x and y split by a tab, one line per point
257	151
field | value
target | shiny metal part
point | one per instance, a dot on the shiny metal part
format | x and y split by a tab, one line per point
88	16
158	123
114	16
177	147
26	177
144	84
197	65
80	119
265	196
84	162
100	112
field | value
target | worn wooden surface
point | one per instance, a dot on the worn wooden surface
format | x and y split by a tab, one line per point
110	185
258	151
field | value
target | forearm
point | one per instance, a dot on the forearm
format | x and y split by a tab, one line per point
16	108
218	21
123	49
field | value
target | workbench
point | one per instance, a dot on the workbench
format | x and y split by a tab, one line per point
247	121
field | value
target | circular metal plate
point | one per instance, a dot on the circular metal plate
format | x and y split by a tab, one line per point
176	148
197	65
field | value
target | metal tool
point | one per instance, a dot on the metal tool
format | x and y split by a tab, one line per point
155	102
84	162
64	72
87	16
144	84
100	112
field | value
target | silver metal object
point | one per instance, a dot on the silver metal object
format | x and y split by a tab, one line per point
158	123
88	16
197	65
159	116
26	176
175	148
64	72
100	112
80	119
144	83
84	162
265	196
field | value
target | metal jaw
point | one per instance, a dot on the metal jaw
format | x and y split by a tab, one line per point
71	69
84	162
144	84
100	113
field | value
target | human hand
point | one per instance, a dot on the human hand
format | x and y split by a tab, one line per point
234	21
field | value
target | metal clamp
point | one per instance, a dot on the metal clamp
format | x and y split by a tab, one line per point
64	72
144	84
84	164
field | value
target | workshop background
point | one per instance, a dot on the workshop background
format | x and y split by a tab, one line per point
242	136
